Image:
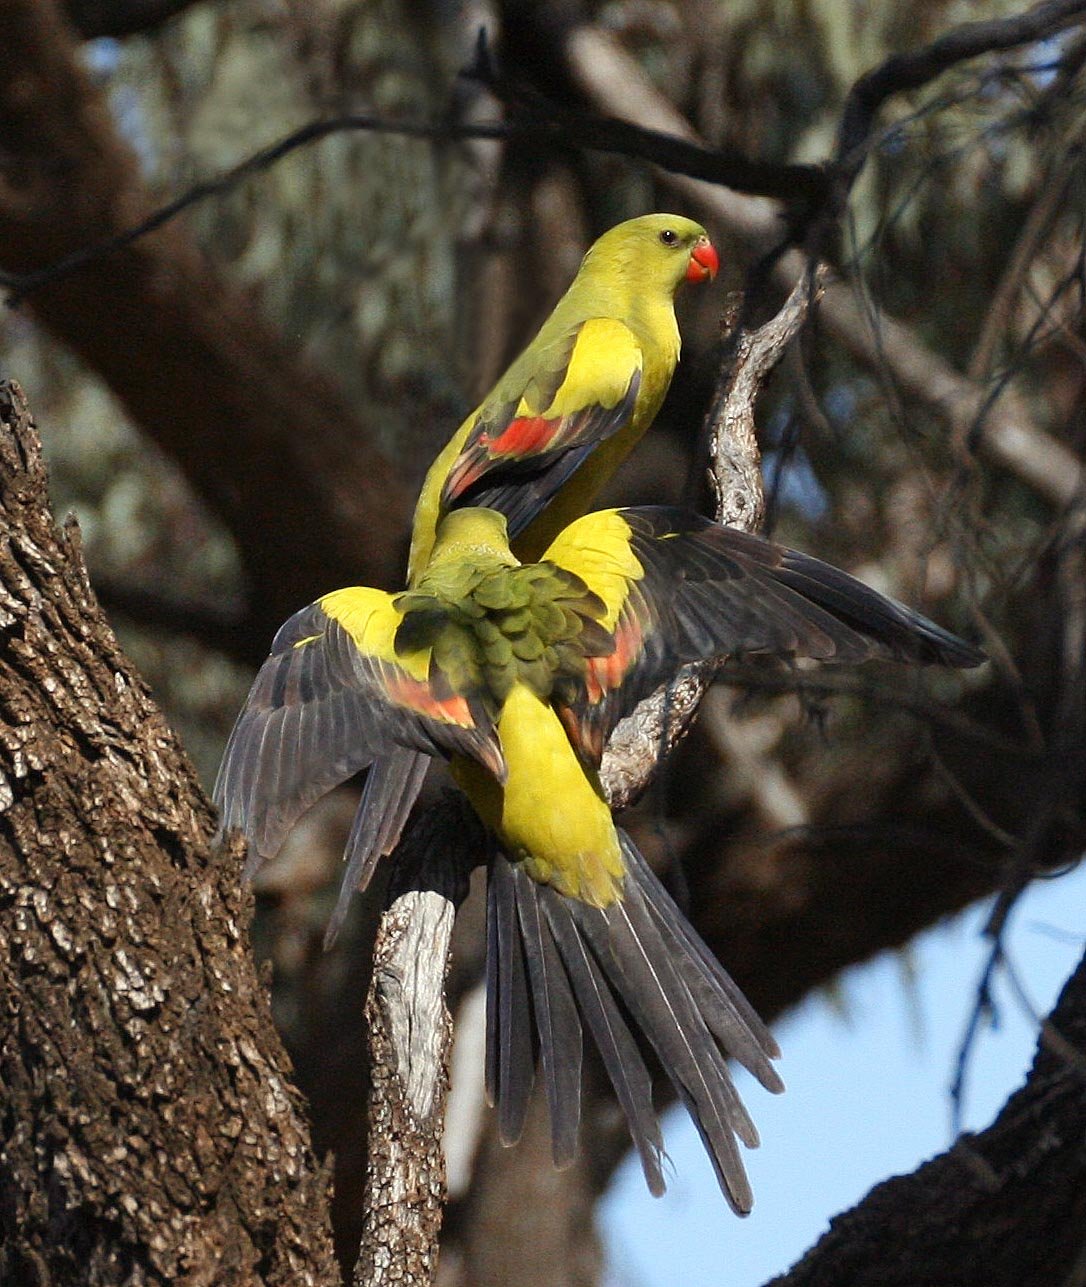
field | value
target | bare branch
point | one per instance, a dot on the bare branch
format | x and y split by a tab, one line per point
92	18
642	740
222	627
409	1032
918	67
648	127
616	83
1003	1208
809	192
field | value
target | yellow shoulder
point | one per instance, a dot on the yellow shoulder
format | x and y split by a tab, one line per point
605	358
371	619
598	549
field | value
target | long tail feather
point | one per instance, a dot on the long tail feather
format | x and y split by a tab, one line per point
516	1047
728	1013
639	967
637	961
556	1019
622	1057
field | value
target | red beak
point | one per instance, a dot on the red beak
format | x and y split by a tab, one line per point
704	261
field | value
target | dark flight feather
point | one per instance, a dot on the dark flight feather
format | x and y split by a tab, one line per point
710	591
637	960
319	711
511	1090
557	1021
392	786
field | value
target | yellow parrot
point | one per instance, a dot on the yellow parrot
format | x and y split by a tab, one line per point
517	673
567	412
551	432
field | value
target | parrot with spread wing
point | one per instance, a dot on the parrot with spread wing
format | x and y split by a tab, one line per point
551	432
517	673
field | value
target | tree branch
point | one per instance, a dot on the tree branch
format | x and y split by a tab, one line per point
808	192
1005	1208
919	67
644	124
642	740
409	1035
308	498
613	81
93	18
150	1130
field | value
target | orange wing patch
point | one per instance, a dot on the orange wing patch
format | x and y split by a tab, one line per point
604	674
417	695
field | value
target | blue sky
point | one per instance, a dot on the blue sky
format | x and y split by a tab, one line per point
867	1098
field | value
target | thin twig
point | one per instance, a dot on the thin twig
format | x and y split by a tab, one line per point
910	71
643	738
614	82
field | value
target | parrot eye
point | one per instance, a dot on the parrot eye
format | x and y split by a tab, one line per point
669	237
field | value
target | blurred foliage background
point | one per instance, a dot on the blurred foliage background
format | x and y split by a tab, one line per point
406	272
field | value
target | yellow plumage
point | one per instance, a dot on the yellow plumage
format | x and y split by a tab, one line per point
517	674
549	813
616	321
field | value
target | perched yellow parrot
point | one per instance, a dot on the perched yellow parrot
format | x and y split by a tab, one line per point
517	673
551	432
567	412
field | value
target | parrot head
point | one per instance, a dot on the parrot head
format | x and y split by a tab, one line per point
659	249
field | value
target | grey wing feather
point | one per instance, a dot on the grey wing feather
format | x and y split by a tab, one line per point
319	711
710	591
392	787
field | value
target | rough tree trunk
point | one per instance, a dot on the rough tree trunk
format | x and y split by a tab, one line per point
149	1132
1005	1208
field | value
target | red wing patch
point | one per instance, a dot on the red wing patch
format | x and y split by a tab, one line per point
522	438
417	695
467	470
524	435
604	674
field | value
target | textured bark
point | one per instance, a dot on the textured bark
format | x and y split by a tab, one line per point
269	444
1005	1208
148	1132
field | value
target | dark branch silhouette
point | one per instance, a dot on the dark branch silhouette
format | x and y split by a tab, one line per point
919	67
813	195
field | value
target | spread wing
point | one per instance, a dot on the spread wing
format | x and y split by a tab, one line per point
555	405
680	588
331	697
